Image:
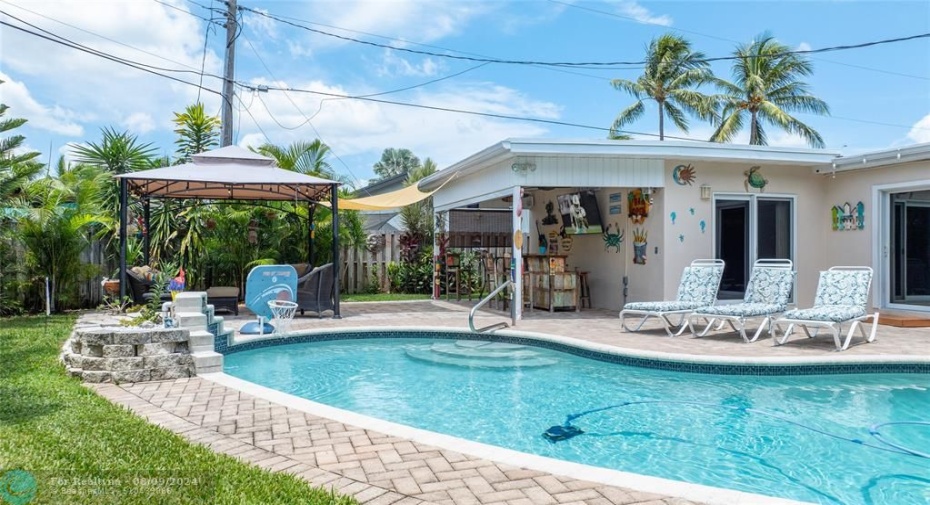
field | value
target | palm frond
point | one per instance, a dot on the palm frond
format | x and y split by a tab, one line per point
627	116
677	115
730	125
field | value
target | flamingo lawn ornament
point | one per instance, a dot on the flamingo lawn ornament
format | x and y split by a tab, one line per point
176	285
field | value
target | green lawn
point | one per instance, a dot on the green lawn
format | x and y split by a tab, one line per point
80	448
381	297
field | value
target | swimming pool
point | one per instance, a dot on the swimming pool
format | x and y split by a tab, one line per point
782	436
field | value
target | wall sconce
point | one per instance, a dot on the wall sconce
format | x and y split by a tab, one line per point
522	166
706	192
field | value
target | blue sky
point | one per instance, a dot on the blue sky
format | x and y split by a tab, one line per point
879	96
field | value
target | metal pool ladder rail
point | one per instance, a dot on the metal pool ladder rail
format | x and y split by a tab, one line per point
484	301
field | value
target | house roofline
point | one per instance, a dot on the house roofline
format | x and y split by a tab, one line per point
651	149
884	157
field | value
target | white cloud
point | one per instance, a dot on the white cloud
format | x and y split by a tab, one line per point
106	91
261	26
395	65
920	132
354	127
53	118
139	122
429	21
640	14
804	46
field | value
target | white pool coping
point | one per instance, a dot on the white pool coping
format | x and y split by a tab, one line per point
711	359
645	483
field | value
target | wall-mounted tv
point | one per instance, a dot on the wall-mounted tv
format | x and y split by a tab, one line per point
580	213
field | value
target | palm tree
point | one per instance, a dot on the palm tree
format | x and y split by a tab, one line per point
15	169
60	215
118	152
394	162
672	72
197	132
768	88
305	157
417	218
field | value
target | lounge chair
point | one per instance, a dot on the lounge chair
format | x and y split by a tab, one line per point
842	298
315	290
697	288
767	295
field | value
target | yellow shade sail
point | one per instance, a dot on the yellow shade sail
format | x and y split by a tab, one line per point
393	200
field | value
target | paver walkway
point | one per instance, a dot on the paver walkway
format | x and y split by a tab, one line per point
375	468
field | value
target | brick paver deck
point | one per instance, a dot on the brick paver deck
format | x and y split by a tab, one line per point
376	468
380	469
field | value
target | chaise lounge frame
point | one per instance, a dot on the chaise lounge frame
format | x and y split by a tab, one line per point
835	327
711	314
682	313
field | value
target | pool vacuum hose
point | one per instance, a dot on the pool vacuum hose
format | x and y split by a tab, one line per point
567	431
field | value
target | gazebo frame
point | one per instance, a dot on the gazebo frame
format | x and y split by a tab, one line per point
231	174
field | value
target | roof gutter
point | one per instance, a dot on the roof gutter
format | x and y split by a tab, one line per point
875	159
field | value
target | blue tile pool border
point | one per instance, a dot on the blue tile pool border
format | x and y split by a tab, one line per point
762	369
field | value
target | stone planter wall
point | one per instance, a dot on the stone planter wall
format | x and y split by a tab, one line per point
121	354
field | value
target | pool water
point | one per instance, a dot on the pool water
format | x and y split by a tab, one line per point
750	433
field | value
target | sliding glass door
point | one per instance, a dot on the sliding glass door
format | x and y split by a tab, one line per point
747	228
909	239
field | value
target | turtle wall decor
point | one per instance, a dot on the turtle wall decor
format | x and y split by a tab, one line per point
755	179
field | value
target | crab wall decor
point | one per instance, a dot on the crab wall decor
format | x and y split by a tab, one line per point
613	238
684	174
755	179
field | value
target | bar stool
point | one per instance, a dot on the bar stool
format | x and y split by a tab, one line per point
585	290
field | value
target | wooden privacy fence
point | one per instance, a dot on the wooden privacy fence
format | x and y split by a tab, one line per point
364	266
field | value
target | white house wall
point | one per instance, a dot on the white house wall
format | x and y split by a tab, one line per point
863	247
813	239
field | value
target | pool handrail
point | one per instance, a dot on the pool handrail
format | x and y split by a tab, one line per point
485	300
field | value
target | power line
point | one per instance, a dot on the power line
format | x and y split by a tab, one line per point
247	111
724	39
166	4
589	64
66	41
203	59
122	61
433	46
94	34
470	112
308	119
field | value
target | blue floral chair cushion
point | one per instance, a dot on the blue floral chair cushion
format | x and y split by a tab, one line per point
661	306
769	286
835	313
743	309
699	285
843	288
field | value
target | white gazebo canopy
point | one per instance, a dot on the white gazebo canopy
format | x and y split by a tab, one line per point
229	173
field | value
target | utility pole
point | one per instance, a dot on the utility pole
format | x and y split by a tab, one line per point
229	74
